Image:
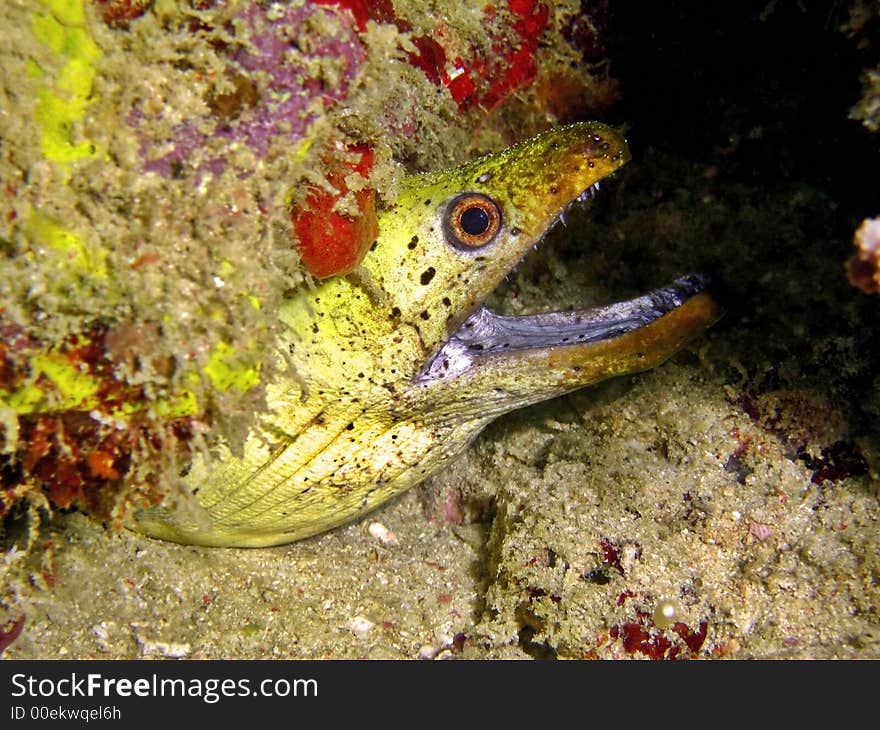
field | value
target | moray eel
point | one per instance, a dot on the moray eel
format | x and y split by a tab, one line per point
393	369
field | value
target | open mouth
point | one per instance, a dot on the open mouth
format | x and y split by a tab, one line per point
485	335
628	334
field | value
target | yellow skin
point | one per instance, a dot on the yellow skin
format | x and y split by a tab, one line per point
362	414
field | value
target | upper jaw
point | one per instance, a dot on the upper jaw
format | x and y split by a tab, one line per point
485	335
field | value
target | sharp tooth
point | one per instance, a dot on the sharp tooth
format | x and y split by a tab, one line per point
589	192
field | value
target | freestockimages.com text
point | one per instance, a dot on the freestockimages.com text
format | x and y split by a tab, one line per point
209	690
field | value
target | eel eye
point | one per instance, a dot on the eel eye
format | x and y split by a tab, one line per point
472	220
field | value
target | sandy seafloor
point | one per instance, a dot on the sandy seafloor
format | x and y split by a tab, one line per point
694	484
737	483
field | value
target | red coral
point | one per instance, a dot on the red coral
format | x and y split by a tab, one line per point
611	554
75	455
477	79
518	66
841	460
330	242
642	637
488	81
118	13
863	267
10	631
382	11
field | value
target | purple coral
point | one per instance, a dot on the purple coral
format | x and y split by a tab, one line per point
271	69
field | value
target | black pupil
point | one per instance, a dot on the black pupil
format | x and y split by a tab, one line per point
474	221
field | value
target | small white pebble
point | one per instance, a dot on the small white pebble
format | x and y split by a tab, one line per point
628	556
456	72
169	649
427	651
382	533
665	614
361	624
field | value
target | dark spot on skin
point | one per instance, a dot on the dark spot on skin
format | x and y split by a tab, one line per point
427	275
412	243
427	202
395	312
447	302
424	314
315	327
374	246
349	427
